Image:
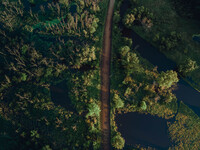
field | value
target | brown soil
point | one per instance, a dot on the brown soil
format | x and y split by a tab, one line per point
105	80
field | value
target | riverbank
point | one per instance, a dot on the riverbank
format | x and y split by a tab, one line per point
135	88
171	22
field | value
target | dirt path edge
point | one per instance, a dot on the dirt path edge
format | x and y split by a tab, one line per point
105	80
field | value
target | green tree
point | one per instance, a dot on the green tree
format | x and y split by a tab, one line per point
64	2
23	77
143	105
118	141
167	79
93	109
129	20
187	66
118	103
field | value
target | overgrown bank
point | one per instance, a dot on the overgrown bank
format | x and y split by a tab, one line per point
137	85
170	26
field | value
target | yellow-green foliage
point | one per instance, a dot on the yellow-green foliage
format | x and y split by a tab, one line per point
118	142
185	131
167	79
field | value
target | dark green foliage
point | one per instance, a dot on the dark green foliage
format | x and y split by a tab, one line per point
118	142
188	8
43	43
168	42
138	16
188	66
143	105
117	102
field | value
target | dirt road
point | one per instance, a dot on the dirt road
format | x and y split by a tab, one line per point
105	80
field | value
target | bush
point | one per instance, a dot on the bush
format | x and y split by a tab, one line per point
187	66
168	42
140	16
118	142
93	109
143	105
167	79
118	103
129	20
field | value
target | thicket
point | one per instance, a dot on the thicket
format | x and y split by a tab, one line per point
44	43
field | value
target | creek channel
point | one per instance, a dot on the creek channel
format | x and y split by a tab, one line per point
148	130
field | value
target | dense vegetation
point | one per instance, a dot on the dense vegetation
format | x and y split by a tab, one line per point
44	43
173	27
138	84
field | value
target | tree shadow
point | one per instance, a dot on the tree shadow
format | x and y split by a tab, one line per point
60	95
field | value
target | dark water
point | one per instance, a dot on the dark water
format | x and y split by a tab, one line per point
145	130
142	129
184	92
150	53
149	130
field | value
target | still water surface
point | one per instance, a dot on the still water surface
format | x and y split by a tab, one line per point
144	129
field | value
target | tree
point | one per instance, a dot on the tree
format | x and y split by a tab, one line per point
129	20
188	66
93	109
128	58
167	79
143	105
116	17
118	141
118	103
64	2
128	41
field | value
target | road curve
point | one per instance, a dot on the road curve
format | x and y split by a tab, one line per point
105	80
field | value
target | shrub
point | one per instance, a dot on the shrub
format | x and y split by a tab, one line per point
143	105
118	103
167	79
187	66
168	42
118	142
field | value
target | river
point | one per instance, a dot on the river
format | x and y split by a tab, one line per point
148	130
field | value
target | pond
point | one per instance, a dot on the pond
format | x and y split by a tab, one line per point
142	129
148	130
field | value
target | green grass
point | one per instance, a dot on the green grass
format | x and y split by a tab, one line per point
184	131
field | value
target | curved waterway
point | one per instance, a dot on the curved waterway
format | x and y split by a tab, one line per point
148	130
184	91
